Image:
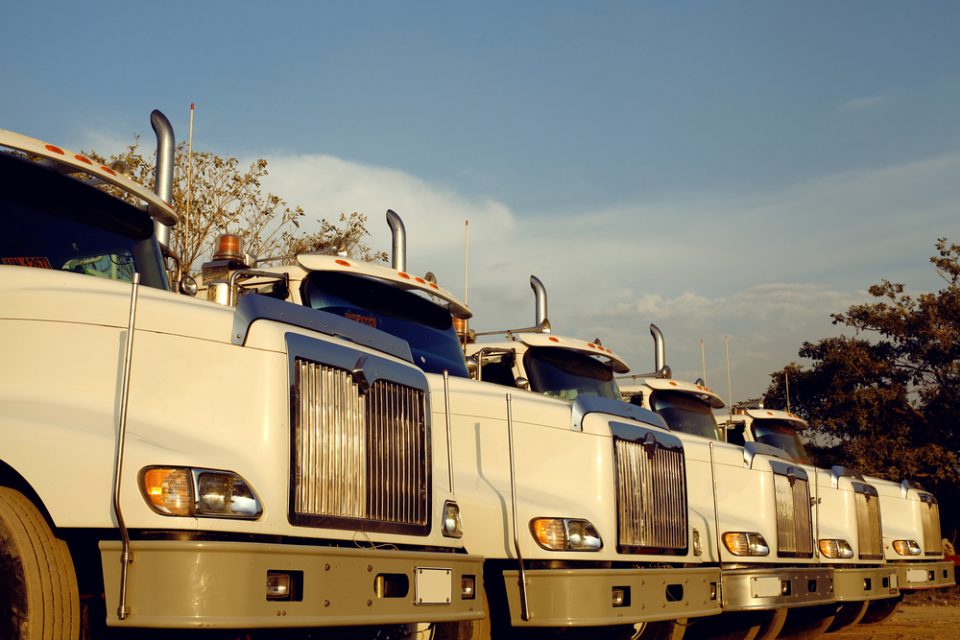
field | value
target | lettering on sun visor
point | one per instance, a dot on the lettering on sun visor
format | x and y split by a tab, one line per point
367	320
36	263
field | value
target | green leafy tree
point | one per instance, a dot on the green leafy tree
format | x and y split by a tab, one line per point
224	197
886	399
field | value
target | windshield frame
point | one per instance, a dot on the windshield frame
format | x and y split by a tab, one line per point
540	364
783	435
58	215
692	407
425	326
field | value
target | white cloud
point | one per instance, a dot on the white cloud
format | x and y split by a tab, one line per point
866	102
765	268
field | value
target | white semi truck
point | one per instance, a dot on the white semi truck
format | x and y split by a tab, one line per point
911	542
846	516
751	510
555	494
170	465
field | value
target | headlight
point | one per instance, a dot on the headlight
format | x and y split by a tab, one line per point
906	547
836	549
452	527
745	543
183	491
565	534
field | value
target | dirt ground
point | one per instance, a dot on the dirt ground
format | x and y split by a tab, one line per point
933	615
910	622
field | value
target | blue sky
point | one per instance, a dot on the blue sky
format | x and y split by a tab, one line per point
738	168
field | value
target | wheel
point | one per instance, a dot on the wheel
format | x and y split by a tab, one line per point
666	630
772	624
880	610
850	613
738	625
808	622
38	586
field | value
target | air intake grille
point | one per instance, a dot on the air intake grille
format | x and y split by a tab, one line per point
360	460
869	537
794	526
651	496
930	516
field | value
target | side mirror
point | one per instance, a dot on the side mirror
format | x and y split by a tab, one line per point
522	383
188	286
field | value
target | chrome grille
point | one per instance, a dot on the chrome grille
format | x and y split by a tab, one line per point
930	516
794	526
869	538
651	496
360	459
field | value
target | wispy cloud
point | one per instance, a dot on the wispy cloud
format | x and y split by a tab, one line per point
866	102
765	268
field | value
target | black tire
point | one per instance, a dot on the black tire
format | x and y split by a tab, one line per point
850	613
738	625
881	610
666	630
38	585
808	622
772	624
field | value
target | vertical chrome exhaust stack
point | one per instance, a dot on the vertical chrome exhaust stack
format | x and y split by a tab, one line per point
541	323
398	259
661	370
163	180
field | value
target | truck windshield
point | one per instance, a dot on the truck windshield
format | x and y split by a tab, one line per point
779	433
686	413
55	222
427	327
568	374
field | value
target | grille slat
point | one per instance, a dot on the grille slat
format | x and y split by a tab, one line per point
359	457
930	517
869	536
794	519
651	497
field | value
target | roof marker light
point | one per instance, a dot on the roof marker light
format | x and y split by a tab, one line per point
82	159
554	339
420	280
435	285
54	149
405	276
343	263
108	170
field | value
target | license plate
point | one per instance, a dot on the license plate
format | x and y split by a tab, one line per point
433	585
768	587
916	575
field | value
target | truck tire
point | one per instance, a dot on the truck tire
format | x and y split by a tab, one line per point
666	630
740	625
39	598
850	613
808	622
772	624
881	610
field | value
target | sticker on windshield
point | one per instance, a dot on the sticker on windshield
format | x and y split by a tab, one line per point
36	263
370	321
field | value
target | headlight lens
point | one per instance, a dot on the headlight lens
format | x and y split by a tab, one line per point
452	526
838	548
565	534
184	491
906	547
745	543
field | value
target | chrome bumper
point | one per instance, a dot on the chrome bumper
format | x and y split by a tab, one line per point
186	584
584	597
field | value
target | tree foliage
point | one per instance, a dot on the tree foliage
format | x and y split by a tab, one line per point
886	399
224	197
